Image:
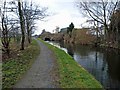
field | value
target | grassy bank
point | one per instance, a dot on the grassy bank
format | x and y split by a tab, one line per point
14	68
72	75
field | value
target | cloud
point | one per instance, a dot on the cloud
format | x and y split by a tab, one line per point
62	20
66	12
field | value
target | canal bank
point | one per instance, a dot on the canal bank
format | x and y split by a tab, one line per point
72	75
102	63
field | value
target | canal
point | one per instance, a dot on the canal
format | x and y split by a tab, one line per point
103	64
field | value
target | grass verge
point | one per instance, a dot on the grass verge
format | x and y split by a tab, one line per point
72	75
13	69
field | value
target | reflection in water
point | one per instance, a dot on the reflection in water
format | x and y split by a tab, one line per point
103	64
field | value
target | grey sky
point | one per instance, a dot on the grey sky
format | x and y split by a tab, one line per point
65	12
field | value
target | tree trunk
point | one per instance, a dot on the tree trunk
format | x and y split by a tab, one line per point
5	39
29	37
106	32
22	25
28	31
118	36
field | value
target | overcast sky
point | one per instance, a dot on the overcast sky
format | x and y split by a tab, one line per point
64	12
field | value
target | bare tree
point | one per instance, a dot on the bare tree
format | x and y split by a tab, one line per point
32	13
57	29
22	24
6	27
95	28
5	36
99	11
23	14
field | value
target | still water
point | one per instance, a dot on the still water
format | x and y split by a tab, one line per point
103	64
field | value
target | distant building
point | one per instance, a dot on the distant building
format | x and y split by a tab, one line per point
63	30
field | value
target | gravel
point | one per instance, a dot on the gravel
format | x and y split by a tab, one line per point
40	73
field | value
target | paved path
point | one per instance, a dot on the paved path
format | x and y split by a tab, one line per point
39	75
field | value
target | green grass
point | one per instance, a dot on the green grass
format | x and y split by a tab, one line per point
13	69
72	75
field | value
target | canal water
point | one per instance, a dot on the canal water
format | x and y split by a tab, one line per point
103	64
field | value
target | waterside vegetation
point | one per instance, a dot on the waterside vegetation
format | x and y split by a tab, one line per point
72	75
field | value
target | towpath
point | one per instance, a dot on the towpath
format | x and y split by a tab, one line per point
41	74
